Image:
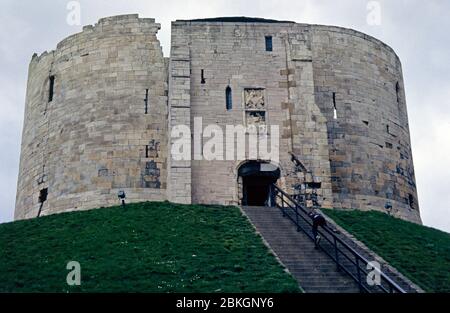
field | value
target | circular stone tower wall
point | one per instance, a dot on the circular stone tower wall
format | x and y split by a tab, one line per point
95	120
359	87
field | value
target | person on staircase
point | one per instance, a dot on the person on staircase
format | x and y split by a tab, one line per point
318	220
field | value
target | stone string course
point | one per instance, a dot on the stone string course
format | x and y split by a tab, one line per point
94	138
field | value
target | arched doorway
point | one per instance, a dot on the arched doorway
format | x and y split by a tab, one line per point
257	177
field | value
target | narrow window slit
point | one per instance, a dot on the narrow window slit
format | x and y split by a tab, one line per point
334	106
203	77
411	201
397	91
146	101
228	97
146	151
51	88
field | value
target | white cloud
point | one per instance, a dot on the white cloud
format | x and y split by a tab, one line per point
432	172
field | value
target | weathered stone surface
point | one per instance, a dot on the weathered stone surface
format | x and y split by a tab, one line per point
90	140
369	142
336	94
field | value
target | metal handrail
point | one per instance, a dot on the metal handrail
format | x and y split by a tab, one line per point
295	207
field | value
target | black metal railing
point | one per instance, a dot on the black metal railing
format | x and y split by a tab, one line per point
346	258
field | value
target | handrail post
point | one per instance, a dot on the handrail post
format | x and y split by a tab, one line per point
358	270
340	246
336	253
296	217
269	201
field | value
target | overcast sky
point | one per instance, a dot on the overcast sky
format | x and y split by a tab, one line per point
417	30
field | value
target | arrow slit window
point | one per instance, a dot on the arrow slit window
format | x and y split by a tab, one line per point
229	98
51	88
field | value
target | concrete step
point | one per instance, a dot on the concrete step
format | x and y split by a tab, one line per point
313	269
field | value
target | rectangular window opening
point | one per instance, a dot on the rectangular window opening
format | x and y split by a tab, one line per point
314	185
51	88
269	45
146	151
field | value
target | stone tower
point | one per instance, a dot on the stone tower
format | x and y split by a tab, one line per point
101	109
86	132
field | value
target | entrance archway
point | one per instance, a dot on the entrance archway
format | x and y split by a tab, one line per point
257	177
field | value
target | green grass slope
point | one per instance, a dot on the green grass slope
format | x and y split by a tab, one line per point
420	253
146	247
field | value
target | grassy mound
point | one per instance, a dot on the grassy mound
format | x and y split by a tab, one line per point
420	253
146	247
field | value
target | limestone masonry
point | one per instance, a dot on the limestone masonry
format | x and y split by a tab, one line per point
101	107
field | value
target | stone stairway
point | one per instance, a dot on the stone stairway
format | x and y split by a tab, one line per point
313	269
